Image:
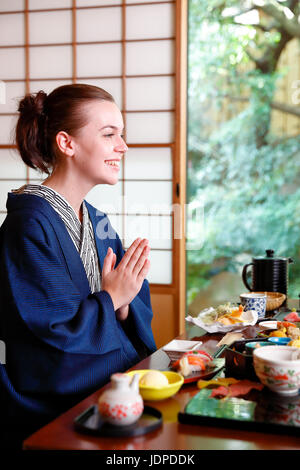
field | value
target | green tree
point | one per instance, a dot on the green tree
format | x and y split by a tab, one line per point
246	177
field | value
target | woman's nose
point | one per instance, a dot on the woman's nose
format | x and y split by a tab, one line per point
121	145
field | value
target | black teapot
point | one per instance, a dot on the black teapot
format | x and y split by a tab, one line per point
269	274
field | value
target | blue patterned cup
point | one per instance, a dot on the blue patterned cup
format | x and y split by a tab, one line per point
253	301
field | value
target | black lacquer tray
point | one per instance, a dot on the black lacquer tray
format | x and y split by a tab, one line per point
260	411
90	422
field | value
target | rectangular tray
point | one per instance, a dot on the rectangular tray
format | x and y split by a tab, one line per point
261	412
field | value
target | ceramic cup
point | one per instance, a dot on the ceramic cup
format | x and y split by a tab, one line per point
253	301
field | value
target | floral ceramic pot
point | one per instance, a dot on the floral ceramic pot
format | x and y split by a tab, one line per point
277	369
121	404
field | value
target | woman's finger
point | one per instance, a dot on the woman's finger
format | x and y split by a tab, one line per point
129	253
107	262
136	255
144	271
141	260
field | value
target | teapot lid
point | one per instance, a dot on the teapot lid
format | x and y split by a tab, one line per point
270	257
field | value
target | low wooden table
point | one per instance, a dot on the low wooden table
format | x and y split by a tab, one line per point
61	435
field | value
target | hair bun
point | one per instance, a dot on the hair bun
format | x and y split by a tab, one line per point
33	104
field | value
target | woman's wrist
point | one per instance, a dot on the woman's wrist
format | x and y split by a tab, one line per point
122	313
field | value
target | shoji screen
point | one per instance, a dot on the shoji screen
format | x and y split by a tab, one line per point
132	49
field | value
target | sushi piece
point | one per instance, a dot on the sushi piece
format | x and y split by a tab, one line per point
192	361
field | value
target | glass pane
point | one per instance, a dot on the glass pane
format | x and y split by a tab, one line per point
158	230
99	24
52	61
12	29
5	188
112	85
99	60
45	4
7	129
148	197
243	158
11	164
50	27
161	267
11	5
160	93
14	60
150	128
140	1
148	163
150	21
47	86
149	58
14	92
36	176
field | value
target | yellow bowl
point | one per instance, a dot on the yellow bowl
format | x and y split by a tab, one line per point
159	393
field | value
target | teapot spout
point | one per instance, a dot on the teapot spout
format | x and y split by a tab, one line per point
134	385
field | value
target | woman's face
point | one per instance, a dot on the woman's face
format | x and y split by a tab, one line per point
99	146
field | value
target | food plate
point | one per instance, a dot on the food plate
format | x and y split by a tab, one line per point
211	370
268	325
249	319
90	422
176	348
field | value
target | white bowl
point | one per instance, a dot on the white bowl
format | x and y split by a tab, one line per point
176	348
276	368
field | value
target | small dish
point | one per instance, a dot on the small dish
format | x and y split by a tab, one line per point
176	348
159	393
268	325
255	344
279	340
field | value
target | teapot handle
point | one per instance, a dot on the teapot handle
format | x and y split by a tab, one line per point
244	275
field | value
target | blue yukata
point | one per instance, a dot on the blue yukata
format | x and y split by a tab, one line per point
62	341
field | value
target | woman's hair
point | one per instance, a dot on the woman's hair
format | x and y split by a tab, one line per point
42	116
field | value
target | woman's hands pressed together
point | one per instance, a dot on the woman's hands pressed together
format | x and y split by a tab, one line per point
124	282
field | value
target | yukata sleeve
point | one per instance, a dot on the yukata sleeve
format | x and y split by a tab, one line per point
44	296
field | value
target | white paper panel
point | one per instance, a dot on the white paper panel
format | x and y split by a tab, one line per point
117	224
161	267
5	188
153	197
47	86
50	27
148	163
11	29
11	164
7	126
48	62
99	24
112	85
99	60
12	63
36	176
44	4
14	92
12	5
2	218
150	21
150	128
157	229
150	93
141	1
88	3
149	58
106	198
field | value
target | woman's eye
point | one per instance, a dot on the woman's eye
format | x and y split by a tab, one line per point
108	135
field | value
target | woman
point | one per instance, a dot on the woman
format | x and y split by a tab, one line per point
74	307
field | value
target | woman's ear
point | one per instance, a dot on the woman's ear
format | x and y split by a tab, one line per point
65	143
